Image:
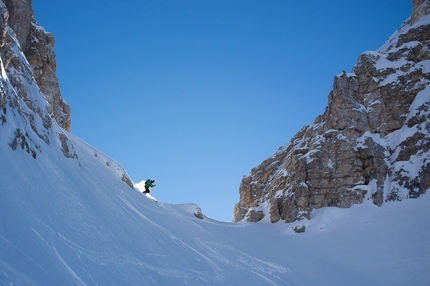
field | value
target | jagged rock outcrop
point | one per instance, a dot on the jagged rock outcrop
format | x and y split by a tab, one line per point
37	46
371	143
34	118
24	110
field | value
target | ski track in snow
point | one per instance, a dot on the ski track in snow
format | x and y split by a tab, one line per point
157	226
24	254
69	269
215	267
73	221
242	261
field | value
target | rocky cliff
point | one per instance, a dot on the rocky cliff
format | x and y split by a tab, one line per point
32	111
34	118
372	142
37	46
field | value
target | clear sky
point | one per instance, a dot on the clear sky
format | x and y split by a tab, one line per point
196	93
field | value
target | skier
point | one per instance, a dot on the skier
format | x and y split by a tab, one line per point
149	184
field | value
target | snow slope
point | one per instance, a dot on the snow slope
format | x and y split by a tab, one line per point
64	222
68	218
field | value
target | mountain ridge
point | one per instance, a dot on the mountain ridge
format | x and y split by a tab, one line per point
68	216
37	45
359	148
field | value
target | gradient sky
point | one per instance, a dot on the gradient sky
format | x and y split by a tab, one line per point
196	93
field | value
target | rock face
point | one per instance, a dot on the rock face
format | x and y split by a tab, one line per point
371	143
37	46
27	73
34	118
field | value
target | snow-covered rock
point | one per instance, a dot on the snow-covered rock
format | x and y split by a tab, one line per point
371	143
37	46
29	121
68	218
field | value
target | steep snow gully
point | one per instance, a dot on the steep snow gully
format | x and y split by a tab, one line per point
70	222
68	216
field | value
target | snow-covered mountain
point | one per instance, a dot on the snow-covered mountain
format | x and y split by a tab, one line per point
69	214
372	142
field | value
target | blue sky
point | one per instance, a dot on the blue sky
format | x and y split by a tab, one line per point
196	93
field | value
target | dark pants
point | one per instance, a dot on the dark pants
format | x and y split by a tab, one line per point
147	191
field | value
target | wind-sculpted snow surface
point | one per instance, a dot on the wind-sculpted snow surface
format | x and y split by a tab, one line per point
63	223
69	215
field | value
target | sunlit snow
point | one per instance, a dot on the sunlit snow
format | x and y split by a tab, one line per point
74	221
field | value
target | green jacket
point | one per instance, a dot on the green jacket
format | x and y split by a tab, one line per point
149	184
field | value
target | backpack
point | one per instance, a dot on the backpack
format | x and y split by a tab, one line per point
148	183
